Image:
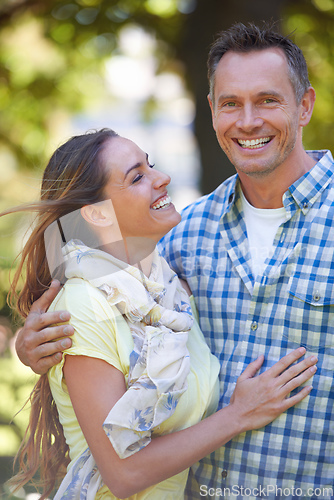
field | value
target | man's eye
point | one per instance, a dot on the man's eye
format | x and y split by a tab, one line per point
268	100
229	104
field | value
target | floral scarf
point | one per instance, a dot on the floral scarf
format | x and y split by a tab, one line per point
158	313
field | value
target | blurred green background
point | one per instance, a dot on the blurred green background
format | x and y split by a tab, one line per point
136	66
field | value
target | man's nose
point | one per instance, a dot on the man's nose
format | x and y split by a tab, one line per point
249	118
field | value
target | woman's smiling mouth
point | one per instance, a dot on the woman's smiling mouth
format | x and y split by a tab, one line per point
163	202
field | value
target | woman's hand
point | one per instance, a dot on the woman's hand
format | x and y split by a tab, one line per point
35	343
259	400
256	401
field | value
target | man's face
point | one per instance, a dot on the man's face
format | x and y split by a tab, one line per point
255	115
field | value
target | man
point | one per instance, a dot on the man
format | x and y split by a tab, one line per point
257	254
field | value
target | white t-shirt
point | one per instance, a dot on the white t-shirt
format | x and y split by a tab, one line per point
262	225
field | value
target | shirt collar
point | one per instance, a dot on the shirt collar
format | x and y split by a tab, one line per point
229	196
305	191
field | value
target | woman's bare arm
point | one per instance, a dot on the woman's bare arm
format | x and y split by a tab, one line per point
95	386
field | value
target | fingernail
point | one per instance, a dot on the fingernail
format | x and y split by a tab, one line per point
313	369
301	349
66	343
67	330
58	356
314	358
64	316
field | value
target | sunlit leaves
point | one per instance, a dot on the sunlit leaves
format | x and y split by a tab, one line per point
313	29
324	5
164	8
16	383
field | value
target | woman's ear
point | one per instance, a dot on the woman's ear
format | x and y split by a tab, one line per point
97	214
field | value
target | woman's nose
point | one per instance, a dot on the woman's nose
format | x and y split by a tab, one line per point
161	179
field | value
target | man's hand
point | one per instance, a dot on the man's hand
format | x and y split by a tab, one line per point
35	344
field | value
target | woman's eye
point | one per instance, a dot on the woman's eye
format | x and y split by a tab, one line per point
140	175
137	178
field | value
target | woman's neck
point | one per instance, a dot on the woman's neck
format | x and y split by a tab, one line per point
135	251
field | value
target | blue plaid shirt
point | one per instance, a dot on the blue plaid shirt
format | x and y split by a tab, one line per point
243	316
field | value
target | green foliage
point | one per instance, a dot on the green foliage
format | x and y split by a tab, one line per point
52	54
16	383
312	24
51	61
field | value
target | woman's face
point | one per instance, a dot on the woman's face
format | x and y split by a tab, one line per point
137	191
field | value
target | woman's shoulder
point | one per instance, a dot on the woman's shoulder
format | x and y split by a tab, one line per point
100	330
83	300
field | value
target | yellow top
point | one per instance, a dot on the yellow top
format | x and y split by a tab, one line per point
102	332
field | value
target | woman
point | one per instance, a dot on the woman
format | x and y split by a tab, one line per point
134	387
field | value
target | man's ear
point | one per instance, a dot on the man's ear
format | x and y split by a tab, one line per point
307	105
97	214
212	112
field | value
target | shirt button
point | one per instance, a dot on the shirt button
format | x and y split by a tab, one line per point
316	297
224	474
254	325
305	205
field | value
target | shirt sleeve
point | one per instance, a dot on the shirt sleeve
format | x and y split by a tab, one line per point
98	326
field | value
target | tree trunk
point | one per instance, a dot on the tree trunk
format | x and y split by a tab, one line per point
200	28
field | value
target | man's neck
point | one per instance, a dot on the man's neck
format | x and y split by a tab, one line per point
267	191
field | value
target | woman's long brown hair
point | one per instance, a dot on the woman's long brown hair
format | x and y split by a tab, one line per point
73	178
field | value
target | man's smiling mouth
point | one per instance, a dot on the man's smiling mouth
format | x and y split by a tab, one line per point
253	143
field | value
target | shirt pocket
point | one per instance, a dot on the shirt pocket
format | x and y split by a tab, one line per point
309	315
